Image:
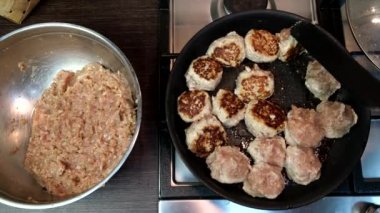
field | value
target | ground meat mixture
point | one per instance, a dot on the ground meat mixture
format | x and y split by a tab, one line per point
82	126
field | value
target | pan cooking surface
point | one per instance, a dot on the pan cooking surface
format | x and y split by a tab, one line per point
339	156
289	90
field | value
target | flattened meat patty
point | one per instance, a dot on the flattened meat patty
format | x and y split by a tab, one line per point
228	50
261	46
228	164
228	108
264	118
204	135
82	126
254	83
193	105
204	73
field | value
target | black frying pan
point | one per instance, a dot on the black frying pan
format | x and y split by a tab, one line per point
341	155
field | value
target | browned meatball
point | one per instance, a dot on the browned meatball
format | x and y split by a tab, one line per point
193	105
204	135
228	108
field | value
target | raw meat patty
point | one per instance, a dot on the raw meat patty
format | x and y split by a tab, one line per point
303	128
264	180
268	150
302	166
228	164
337	118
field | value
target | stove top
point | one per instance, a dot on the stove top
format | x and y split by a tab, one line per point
188	17
180	191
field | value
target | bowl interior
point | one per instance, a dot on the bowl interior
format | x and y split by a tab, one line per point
29	60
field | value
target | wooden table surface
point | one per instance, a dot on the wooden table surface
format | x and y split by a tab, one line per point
133	26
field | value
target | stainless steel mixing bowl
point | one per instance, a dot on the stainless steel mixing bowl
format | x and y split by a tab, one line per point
29	59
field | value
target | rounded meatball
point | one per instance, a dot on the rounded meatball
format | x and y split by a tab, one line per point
228	108
193	105
228	165
204	73
264	118
337	118
261	46
254	83
228	50
204	135
264	180
302	166
303	128
268	150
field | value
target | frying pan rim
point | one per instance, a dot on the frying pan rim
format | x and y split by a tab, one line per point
173	132
356	35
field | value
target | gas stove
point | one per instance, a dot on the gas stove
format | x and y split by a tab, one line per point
180	190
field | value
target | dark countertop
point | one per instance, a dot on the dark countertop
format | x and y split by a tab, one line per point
133	26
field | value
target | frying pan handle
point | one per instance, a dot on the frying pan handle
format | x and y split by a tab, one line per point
335	58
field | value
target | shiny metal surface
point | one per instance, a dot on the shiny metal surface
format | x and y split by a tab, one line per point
182	175
29	59
371	157
364	20
188	17
306	8
218	10
353	47
339	204
349	40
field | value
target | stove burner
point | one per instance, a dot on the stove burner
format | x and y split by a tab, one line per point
220	8
234	6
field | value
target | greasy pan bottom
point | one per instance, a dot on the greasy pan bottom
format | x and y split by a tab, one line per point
339	156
